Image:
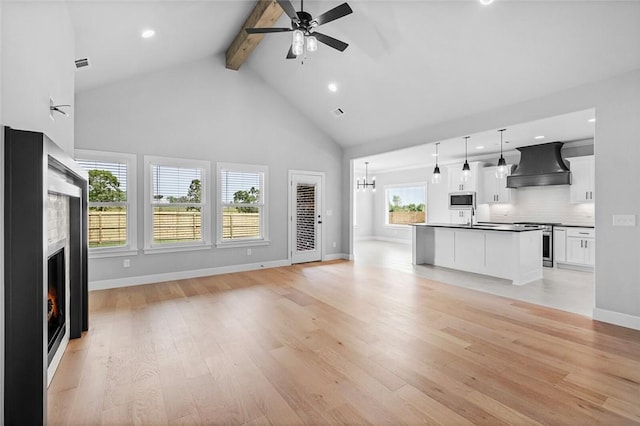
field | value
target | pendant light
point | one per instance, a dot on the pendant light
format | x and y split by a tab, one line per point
501	170
436	177
364	185
466	170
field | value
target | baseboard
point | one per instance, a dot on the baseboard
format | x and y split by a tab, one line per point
336	256
617	318
182	275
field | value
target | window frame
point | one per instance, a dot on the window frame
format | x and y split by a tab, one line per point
386	201
263	206
130	160
150	247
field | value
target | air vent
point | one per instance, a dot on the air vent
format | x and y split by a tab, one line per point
338	112
82	63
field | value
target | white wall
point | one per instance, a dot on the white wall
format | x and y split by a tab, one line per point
617	105
37	63
203	111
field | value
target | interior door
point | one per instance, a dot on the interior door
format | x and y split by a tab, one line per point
306	217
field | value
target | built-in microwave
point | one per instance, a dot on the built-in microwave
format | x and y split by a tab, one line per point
462	200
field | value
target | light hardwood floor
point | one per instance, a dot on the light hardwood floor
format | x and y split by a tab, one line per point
340	343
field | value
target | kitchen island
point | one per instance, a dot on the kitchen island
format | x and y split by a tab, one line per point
512	252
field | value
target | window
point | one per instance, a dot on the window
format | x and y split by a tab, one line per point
176	204
242	204
112	202
406	204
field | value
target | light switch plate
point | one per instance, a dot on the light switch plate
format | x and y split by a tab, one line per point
624	220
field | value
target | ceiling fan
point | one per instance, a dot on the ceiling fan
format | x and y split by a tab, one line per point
303	26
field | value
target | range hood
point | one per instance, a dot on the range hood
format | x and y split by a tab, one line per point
540	165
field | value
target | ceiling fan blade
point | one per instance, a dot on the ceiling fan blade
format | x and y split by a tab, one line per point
290	54
289	9
332	15
266	30
330	41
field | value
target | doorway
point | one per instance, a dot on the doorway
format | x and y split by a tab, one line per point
305	216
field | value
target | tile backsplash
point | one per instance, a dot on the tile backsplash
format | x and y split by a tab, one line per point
543	204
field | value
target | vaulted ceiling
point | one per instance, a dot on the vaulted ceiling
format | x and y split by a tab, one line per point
410	64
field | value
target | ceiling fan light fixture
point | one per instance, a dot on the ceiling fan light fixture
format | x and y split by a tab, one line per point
298	37
312	44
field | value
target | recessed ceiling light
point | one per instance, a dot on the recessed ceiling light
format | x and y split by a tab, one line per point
332	87
592	120
148	33
485	2
480	147
539	137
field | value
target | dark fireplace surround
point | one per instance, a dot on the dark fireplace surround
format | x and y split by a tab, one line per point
37	275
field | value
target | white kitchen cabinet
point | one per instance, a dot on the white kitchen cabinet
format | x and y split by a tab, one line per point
494	190
582	188
460	216
472	184
581	246
559	244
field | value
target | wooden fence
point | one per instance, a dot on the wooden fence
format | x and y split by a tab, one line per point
110	228
402	218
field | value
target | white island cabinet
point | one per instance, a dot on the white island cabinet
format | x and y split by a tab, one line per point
504	251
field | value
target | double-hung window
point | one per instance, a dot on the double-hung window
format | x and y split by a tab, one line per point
242	204
112	202
406	203
177	208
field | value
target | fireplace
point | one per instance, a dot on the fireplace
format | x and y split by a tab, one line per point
56	301
45	268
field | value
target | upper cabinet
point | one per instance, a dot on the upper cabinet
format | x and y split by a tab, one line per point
582	179
494	189
472	184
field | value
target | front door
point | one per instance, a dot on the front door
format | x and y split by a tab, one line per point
306	217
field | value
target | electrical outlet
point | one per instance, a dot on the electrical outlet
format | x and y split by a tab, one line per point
624	220
126	263
248	252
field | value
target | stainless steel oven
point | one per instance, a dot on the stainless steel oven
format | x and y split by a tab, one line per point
547	241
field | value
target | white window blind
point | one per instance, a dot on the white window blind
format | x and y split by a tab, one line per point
111	201
242	203
176	184
119	170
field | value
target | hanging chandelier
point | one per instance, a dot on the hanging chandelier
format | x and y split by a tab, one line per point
436	177
501	170
366	184
466	170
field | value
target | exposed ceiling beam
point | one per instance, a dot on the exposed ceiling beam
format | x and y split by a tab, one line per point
265	14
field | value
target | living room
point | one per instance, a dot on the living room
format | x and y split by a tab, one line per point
193	108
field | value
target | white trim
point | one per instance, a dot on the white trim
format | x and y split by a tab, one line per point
617	318
204	165
323	208
132	199
336	256
182	275
253	242
263	206
173	248
386	201
97	254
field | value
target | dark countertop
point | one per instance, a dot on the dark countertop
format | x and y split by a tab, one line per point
483	227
